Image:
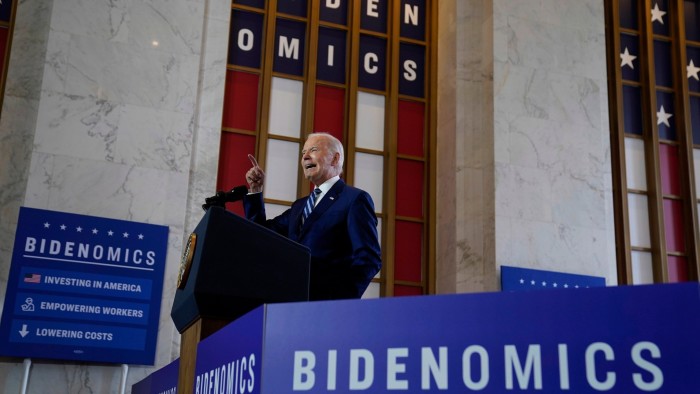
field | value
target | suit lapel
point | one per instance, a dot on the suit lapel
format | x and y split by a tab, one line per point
328	200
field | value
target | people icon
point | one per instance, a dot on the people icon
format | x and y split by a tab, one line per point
28	305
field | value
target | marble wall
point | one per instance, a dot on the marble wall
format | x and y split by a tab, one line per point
530	123
112	109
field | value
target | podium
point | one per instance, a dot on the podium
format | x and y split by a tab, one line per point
231	266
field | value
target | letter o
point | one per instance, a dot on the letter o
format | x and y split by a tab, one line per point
466	367
245	39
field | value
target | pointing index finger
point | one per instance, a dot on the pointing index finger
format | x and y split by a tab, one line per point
253	161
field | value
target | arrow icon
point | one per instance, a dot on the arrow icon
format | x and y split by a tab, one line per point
23	332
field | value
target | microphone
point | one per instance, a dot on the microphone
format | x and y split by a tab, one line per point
221	197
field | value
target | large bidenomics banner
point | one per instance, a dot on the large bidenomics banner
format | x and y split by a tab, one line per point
632	339
83	288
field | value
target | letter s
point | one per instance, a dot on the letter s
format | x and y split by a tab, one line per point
657	376
409	67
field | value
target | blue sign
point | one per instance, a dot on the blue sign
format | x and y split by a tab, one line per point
634	339
330	63
372	73
516	278
245	39
374	15
290	38
334	11
628	339
83	288
6	10
413	19
230	360
412	60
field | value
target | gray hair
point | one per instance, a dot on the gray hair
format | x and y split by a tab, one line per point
334	145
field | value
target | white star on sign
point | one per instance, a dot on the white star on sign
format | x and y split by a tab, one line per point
692	70
126	235
627	58
79	229
140	236
47	225
94	231
657	14
63	227
662	117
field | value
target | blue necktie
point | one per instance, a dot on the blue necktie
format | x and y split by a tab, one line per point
310	202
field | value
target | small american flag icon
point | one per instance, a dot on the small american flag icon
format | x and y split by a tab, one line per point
32	278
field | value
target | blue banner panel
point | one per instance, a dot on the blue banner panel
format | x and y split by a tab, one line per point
164	380
515	278
374	15
6	10
331	60
83	288
334	11
665	118
245	40
631	339
372	73
292	7
412	75
630	57
290	38
251	3
230	360
413	19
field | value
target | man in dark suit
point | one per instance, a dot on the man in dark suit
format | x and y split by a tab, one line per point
340	230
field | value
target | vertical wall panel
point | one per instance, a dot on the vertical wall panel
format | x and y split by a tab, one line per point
285	107
669	170
677	269
642	269
234	163
639	220
369	130
411	132
409	251
635	164
241	100
369	176
282	168
409	188
673	224
329	111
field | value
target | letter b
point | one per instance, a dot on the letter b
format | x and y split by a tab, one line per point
304	376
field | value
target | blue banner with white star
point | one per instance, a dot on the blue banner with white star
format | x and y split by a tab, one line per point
83	288
516	278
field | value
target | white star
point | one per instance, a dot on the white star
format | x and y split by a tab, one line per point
110	233
544	284
522	281
532	282
47	225
63	227
566	285
140	236
627	58
126	235
79	229
576	286
555	284
692	70
657	14
94	231
662	117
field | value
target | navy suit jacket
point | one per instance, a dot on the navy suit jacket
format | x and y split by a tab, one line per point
341	233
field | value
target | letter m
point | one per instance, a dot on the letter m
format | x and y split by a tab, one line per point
288	49
533	361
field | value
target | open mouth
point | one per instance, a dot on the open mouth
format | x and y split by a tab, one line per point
306	167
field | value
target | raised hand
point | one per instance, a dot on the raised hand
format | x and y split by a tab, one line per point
255	176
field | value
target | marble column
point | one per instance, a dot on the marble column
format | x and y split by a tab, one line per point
112	109
532	183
